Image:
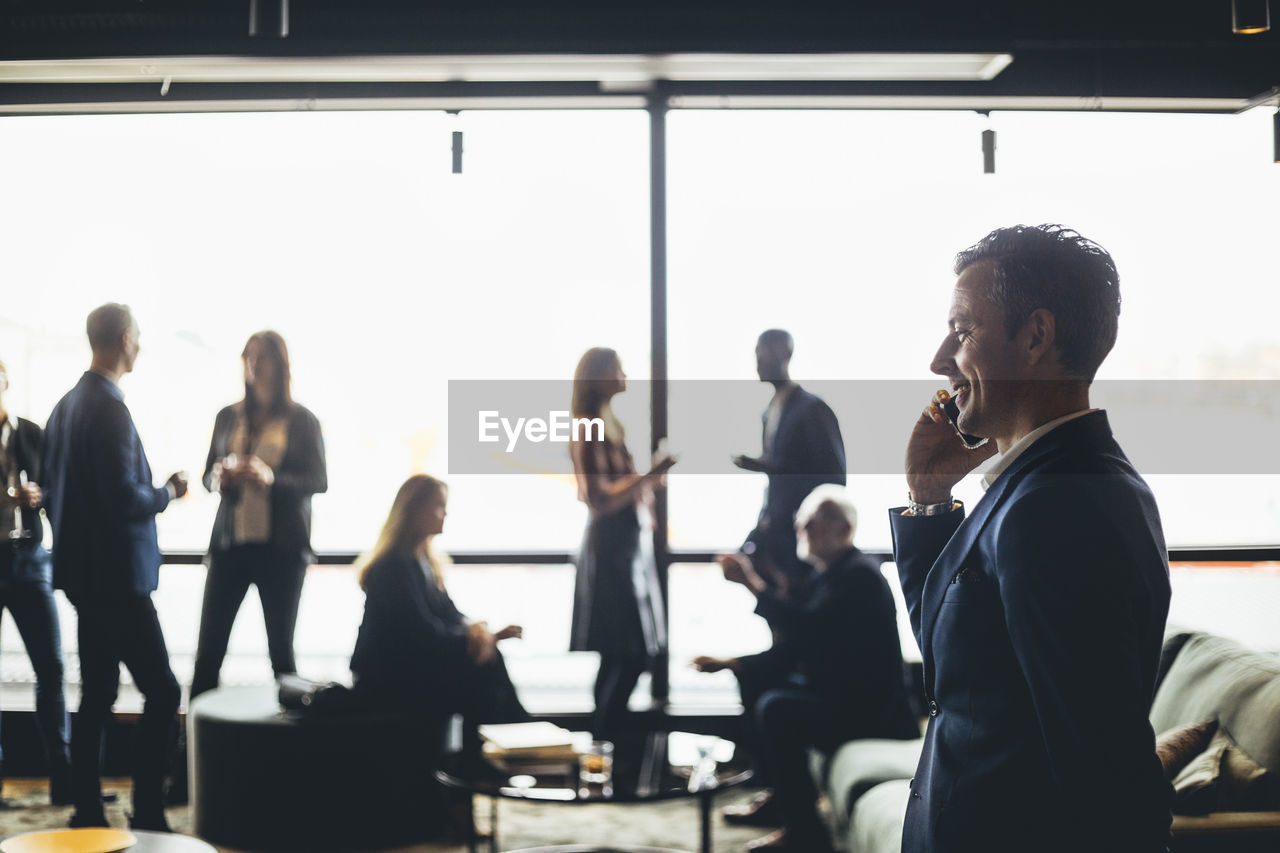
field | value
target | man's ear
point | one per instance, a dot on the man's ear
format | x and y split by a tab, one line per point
1039	333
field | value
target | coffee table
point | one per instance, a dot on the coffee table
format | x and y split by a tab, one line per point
647	767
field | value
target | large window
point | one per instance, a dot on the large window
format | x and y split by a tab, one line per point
841	227
389	276
347	232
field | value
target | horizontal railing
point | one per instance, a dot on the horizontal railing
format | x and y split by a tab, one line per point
1205	554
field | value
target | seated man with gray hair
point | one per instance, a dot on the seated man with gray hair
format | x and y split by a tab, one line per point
834	673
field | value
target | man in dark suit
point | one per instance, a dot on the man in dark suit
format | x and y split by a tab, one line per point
25	585
837	671
1040	616
102	505
801	450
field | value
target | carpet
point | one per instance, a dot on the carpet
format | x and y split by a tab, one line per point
672	824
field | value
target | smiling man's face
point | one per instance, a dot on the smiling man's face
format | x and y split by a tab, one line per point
979	359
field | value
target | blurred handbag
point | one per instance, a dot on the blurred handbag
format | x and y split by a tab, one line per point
300	696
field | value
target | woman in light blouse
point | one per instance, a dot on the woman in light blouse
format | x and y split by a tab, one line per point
267	460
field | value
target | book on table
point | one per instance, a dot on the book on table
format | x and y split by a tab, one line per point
528	740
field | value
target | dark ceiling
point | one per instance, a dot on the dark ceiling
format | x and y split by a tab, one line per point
1075	49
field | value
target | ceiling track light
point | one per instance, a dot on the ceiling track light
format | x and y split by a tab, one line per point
456	136
1250	16
269	18
988	145
1275	135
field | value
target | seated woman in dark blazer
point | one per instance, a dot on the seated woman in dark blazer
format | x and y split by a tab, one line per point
415	650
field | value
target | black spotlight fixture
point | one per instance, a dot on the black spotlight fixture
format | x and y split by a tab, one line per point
988	146
1250	16
1275	135
269	18
456	149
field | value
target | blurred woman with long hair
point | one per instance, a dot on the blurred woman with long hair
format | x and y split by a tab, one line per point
617	601
267	460
415	650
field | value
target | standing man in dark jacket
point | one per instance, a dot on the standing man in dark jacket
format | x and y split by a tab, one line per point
801	450
102	505
837	670
25	584
1040	616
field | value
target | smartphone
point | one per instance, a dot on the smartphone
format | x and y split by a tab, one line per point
952	411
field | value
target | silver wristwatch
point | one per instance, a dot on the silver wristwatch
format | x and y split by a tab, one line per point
949	505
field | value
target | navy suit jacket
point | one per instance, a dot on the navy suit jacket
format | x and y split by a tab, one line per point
412	644
1040	618
807	451
99	496
841	632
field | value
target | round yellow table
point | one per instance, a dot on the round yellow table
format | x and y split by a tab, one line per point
102	840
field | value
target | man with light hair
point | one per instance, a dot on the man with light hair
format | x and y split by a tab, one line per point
102	506
827	498
836	668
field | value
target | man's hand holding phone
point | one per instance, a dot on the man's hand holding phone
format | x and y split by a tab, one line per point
937	458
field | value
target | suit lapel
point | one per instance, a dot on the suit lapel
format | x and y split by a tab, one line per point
1092	429
790	411
418	579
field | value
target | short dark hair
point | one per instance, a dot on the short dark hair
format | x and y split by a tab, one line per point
1054	267
106	324
776	339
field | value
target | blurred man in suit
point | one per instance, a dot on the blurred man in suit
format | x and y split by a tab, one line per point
1041	615
834	674
102	505
801	450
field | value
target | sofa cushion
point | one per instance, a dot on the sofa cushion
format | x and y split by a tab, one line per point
1177	747
876	823
1224	778
1216	677
1195	789
860	765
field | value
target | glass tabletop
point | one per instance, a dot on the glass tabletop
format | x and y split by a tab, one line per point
647	766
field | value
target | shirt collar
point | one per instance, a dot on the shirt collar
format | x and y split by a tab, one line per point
114	384
1003	462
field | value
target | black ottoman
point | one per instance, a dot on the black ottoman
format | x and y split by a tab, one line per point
264	782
